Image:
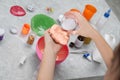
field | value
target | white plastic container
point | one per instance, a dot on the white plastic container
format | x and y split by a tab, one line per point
67	23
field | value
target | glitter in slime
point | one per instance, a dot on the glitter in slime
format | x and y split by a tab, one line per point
17	11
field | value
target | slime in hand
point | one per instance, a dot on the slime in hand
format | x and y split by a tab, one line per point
59	35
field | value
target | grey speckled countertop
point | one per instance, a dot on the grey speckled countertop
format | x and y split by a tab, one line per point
13	47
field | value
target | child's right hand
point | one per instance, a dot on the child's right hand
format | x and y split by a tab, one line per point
50	46
85	28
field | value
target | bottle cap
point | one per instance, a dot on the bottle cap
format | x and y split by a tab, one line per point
81	38
86	55
107	14
30	8
13	30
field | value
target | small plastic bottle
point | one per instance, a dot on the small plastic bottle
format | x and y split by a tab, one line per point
79	41
31	39
100	23
72	44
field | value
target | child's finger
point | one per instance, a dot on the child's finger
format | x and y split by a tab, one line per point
75	32
47	36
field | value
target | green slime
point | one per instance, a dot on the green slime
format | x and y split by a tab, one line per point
40	23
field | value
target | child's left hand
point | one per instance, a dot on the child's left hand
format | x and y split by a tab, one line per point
50	46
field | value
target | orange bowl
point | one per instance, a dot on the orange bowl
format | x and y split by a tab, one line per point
61	55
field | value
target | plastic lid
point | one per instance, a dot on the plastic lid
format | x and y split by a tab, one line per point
86	55
2	31
107	14
81	38
71	44
13	30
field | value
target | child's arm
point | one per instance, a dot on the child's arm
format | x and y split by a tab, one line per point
103	47
86	30
47	65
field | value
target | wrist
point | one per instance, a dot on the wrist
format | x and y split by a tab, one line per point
49	53
94	35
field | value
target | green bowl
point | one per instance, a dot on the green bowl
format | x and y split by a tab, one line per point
40	23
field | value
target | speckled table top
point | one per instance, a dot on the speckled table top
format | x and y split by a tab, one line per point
13	47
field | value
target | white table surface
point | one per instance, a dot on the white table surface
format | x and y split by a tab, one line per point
13	47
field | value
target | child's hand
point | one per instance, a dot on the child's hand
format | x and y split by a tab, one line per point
85	28
59	35
50	46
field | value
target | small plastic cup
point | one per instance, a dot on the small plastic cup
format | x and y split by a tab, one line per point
68	23
89	11
25	29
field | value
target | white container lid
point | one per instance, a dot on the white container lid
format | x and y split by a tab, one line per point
69	24
13	30
61	18
2	31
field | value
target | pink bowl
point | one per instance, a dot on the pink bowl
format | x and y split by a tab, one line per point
61	56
